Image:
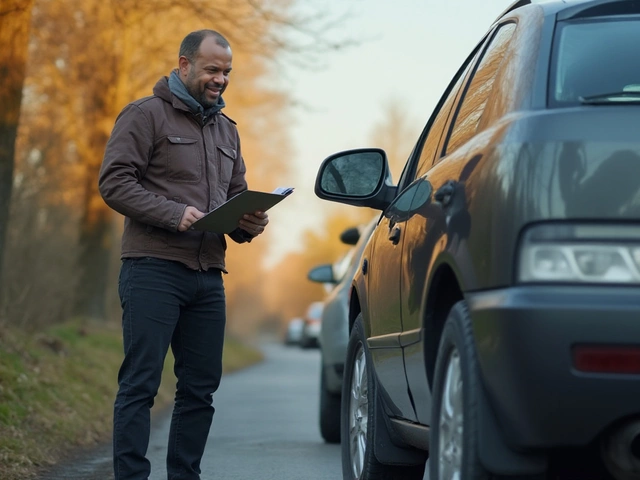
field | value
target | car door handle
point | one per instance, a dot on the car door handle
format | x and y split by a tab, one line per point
394	235
444	193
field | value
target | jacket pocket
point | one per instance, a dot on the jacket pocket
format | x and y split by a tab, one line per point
155	238
227	158
184	159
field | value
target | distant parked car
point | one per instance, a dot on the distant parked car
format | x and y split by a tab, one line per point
334	330
495	316
293	334
311	329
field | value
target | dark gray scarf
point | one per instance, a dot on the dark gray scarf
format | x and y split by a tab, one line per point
180	90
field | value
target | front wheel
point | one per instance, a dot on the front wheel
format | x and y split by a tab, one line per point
454	416
358	418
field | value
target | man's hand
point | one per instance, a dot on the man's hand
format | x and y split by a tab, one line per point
254	223
189	217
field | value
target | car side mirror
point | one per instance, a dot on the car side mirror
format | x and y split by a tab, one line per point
358	177
350	236
322	274
355	173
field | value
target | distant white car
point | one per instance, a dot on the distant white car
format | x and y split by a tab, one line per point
312	324
293	334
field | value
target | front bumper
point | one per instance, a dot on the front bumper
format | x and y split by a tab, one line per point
524	338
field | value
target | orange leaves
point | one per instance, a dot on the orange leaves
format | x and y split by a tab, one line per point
14	31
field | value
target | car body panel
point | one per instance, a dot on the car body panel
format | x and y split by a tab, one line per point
525	333
385	310
562	180
334	335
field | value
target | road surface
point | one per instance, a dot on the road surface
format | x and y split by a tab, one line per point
265	428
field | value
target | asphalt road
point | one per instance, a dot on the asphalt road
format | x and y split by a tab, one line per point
265	428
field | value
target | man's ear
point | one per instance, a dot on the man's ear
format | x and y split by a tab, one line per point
183	65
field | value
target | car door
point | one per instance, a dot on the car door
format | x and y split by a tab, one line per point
383	273
439	215
385	277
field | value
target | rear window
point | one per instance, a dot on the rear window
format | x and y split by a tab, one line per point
595	57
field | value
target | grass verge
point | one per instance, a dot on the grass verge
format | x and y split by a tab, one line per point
57	390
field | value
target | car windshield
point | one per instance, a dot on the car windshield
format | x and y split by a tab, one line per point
596	61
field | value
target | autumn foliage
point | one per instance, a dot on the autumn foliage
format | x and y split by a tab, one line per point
67	68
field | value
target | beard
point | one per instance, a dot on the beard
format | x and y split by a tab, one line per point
200	96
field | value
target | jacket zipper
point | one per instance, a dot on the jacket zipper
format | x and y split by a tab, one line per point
206	172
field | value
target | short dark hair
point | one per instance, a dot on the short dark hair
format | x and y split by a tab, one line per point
191	44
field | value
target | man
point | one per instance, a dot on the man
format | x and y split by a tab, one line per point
171	157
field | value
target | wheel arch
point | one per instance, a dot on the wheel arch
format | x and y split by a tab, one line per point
443	291
355	307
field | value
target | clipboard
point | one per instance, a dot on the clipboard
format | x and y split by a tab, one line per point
225	218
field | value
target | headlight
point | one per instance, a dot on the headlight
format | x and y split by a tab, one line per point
580	253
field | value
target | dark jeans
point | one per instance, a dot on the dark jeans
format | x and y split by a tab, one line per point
165	303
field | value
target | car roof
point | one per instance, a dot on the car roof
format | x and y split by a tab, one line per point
552	7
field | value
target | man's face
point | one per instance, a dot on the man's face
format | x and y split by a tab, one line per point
208	76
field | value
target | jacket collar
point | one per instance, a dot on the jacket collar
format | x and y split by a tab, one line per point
163	90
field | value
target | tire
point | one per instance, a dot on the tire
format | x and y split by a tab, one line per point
329	412
305	342
454	432
358	418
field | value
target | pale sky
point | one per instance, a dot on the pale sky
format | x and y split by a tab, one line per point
414	48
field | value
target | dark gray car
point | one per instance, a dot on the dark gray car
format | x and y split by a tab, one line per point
495	317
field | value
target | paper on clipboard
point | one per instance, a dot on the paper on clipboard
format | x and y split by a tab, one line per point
225	218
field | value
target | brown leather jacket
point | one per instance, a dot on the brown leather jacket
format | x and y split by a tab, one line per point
161	158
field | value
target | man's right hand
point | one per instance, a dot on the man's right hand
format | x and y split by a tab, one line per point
189	217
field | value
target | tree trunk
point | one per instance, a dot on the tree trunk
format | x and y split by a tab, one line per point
15	17
95	245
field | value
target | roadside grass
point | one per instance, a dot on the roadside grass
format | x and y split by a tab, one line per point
57	390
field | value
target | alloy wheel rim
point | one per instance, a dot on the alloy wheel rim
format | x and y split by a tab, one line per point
451	422
358	413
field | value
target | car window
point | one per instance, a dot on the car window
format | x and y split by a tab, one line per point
429	140
439	124
595	57
479	88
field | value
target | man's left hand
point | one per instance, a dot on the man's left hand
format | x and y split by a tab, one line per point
254	223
